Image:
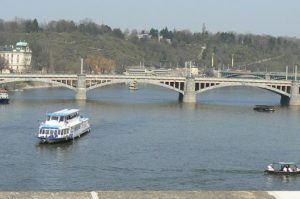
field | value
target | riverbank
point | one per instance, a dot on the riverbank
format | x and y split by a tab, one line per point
142	195
28	85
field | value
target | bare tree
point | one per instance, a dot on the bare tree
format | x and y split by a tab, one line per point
3	63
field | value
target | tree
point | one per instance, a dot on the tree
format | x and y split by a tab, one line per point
89	27
118	33
154	33
28	26
31	26
105	29
3	63
100	65
40	56
227	37
35	26
166	33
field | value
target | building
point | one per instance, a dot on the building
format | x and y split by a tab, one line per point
18	58
143	36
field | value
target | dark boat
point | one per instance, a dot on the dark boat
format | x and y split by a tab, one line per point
264	108
283	168
4	99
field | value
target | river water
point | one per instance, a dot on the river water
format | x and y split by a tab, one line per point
146	140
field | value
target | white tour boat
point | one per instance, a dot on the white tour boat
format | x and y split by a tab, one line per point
63	125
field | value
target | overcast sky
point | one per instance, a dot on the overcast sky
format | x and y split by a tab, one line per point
272	17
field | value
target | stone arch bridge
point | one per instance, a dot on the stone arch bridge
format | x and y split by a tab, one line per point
187	87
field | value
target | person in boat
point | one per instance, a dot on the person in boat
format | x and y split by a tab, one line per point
270	167
289	169
285	169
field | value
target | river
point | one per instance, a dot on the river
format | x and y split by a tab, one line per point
147	140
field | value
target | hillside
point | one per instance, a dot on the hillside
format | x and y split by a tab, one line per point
58	47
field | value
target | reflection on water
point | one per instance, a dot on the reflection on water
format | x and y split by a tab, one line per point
147	140
282	181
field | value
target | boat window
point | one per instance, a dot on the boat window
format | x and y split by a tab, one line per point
61	119
48	118
47	131
54	118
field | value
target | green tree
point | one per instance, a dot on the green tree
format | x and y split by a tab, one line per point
35	26
118	33
154	33
31	26
166	33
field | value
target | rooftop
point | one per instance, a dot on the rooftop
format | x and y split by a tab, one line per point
63	112
21	44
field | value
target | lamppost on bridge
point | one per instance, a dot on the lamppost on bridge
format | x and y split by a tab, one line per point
286	72
296	71
81	66
212	59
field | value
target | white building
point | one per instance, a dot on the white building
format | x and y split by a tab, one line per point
17	58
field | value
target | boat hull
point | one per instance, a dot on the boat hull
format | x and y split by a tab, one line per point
264	108
282	172
4	101
53	140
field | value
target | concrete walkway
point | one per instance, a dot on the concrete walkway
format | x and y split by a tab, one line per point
151	195
285	194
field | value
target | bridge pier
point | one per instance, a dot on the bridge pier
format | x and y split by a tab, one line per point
295	93
284	100
189	95
81	88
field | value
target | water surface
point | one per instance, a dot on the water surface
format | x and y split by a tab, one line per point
146	140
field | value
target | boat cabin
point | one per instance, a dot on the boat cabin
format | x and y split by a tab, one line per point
63	115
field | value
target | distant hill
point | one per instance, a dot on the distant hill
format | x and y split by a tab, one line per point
59	45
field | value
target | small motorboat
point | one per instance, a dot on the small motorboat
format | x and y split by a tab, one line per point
264	108
283	168
133	85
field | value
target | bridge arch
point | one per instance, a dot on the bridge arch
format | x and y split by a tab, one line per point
274	90
48	81
121	81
